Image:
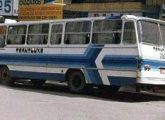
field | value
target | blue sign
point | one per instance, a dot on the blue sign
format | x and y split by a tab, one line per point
5	7
49	1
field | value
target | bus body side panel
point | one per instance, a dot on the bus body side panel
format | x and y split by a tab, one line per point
105	64
101	64
119	65
32	65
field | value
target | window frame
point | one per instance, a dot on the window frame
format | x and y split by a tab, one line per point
140	37
62	36
136	34
161	35
90	32
7	33
38	45
106	32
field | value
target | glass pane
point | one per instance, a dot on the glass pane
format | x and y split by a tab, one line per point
16	35
162	28
77	38
16	39
107	25
149	32
106	38
56	34
56	38
39	28
17	29
84	26
57	29
38	34
37	39
129	33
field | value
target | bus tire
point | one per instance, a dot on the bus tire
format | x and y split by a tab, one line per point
76	82
37	82
5	77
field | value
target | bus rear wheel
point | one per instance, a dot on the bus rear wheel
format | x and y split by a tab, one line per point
5	77
76	82
37	82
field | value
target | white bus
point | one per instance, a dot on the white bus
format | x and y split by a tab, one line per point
104	51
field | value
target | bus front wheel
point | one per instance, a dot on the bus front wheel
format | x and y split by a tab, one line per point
5	77
76	82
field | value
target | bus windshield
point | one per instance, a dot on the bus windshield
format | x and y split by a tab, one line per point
149	33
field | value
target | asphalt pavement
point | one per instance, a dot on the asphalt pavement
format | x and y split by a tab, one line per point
55	102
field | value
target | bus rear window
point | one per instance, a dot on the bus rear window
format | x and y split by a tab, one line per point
149	33
107	32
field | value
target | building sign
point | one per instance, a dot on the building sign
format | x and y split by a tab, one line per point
6	7
49	1
30	10
97	14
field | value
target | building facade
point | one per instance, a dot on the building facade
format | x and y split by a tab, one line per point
95	8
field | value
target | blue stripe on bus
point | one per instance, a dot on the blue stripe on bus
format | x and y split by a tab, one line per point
38	75
118	81
155	64
120	62
86	60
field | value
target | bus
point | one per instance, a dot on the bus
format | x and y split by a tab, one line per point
102	51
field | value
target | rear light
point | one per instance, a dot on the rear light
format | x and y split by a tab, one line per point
147	68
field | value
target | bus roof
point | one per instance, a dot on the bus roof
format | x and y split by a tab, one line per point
136	18
64	20
126	17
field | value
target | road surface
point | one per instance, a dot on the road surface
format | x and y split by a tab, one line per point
54	102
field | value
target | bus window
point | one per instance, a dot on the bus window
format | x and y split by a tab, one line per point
129	36
77	32
16	35
38	34
107	32
149	33
56	34
2	36
162	29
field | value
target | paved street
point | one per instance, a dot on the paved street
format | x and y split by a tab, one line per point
54	102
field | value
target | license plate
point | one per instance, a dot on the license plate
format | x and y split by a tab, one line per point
162	71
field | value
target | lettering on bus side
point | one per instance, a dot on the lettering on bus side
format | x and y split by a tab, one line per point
162	56
29	50
161	50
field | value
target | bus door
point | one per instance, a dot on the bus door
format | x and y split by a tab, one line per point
54	50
